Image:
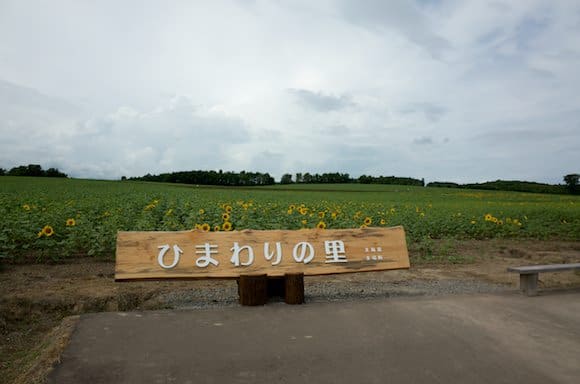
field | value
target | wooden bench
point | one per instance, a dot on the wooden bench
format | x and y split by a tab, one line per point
266	264
529	275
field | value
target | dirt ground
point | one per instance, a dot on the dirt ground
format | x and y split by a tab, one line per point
39	304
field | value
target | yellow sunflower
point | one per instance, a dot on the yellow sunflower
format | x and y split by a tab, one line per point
26	207
226	216
201	211
227	226
47	231
216	228
321	225
228	208
488	217
205	227
368	221
71	222
383	221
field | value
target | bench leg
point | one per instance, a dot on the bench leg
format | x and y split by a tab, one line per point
529	284
294	289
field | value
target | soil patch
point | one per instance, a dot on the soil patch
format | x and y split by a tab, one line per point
39	302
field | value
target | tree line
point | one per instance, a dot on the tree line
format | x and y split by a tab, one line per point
570	185
242	178
344	178
33	170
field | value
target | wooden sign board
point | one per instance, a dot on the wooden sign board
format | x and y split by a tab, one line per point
197	254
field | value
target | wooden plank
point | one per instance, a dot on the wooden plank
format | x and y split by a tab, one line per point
151	255
530	269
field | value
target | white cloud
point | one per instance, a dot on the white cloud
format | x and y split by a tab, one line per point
453	90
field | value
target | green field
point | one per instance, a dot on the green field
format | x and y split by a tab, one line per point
45	218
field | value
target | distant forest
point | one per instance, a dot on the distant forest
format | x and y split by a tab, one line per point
243	178
507	185
255	178
33	170
211	178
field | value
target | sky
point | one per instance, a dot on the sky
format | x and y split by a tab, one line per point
458	90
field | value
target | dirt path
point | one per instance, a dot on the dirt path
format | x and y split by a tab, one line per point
35	298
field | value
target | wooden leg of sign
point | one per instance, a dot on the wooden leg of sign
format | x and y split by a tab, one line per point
276	286
294	288
253	289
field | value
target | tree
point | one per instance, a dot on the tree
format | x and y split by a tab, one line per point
286	179
2	171
571	181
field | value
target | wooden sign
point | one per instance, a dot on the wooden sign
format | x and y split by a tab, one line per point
198	254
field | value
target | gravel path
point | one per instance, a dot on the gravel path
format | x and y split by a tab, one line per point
226	294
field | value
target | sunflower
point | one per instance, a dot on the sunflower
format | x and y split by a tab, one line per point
228	208
47	231
383	221
488	217
227	226
368	221
364	226
321	215
321	225
292	207
26	207
71	222
205	227
225	216
201	211
216	228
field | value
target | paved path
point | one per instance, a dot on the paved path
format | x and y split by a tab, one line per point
504	338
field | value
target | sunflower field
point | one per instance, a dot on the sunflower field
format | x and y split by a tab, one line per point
44	219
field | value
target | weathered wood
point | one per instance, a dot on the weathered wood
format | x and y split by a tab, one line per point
294	288
531	269
253	289
176	255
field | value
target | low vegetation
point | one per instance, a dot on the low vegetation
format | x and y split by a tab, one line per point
52	219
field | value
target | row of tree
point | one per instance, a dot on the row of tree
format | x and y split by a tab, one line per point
343	178
244	178
211	178
570	186
33	170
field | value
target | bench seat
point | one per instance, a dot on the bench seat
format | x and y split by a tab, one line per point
529	275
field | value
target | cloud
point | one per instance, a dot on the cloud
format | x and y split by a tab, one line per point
402	17
319	101
432	112
373	87
425	140
174	136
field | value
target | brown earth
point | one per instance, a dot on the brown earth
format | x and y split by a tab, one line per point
39	304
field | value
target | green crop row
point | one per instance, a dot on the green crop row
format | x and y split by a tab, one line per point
60	218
